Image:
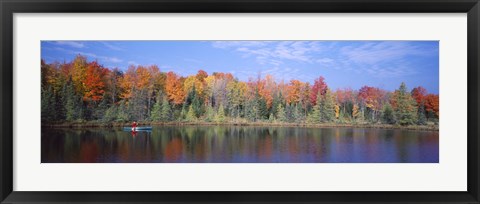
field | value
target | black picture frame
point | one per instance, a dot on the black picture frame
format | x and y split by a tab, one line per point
10	7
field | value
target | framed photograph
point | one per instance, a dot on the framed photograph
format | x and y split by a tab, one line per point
240	101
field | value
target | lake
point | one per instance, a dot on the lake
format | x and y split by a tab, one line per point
239	144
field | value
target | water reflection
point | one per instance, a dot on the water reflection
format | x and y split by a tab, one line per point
237	144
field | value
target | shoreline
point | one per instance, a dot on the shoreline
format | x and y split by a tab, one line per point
93	124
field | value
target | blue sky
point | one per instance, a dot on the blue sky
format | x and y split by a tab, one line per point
344	64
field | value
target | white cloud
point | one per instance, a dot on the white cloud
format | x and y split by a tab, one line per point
106	59
132	63
374	58
325	60
112	46
193	60
375	52
230	44
378	59
273	52
71	44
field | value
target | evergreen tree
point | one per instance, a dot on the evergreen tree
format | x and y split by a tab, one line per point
277	99
166	110
388	115
327	108
194	100
60	103
73	104
406	110
262	109
156	113
183	113
431	116
281	113
251	110
271	118
220	116
80	108
290	112
234	111
122	112
110	114
315	116
70	104
191	114
99	111
298	113
209	114
48	105
422	119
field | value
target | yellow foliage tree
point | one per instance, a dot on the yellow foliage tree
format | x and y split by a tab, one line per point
337	111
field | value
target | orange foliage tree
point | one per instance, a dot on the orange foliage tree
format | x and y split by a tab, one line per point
294	91
94	82
174	88
432	104
128	82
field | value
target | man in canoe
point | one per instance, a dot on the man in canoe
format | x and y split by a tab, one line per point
134	126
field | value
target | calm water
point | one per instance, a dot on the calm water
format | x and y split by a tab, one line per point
227	144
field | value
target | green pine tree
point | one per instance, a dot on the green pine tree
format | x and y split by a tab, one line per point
122	113
73	104
220	116
166	114
191	114
315	116
48	105
99	111
183	113
298	113
388	115
193	99
110	114
262	109
422	119
156	113
281	113
251	110
209	114
271	118
406	110
327	108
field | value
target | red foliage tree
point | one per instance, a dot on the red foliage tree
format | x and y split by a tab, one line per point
319	86
419	94
201	75
371	97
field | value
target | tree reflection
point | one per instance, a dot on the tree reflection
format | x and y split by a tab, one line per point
227	144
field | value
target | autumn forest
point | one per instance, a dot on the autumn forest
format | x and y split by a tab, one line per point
83	91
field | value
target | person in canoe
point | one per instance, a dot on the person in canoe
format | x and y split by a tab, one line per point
134	126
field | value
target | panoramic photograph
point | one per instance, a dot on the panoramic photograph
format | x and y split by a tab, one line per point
240	101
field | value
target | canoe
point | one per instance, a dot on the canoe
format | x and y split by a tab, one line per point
137	128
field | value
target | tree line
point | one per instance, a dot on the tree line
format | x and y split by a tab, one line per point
83	90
